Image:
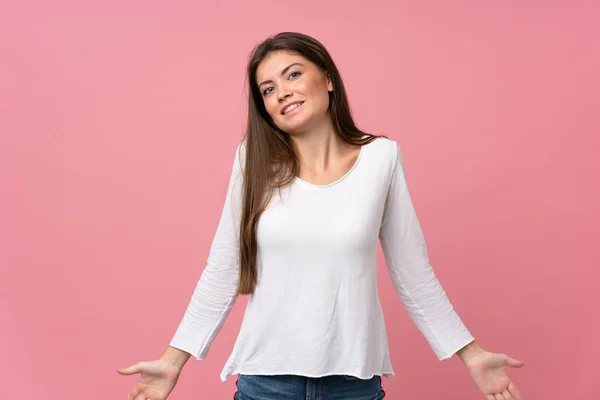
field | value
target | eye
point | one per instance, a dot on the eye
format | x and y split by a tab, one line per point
266	91
295	73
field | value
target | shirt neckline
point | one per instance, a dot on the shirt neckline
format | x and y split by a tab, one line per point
360	153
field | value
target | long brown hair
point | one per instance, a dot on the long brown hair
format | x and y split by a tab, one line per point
270	160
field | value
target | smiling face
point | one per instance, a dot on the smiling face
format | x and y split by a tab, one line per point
294	90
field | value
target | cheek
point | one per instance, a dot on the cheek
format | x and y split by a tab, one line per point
271	107
317	92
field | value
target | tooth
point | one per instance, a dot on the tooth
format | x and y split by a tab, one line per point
290	108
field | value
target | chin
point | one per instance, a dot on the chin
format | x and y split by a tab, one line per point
295	128
301	125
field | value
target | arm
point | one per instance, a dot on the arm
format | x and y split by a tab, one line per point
175	358
427	304
216	290
469	351
209	306
413	278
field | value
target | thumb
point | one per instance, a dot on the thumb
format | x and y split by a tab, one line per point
511	362
132	369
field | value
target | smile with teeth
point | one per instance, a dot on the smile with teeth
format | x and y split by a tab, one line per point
291	107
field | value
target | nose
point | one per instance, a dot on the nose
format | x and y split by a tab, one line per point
284	93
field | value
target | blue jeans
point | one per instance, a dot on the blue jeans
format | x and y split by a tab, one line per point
291	387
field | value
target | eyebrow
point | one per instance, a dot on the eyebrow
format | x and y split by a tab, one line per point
282	73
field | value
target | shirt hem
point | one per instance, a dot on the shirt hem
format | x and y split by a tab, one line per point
224	376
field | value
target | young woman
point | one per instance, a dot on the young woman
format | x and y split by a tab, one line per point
308	199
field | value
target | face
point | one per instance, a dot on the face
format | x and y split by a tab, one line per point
295	91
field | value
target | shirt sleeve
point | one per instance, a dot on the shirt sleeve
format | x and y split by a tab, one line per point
216	290
413	278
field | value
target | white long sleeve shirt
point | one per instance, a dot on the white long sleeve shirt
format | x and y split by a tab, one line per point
316	309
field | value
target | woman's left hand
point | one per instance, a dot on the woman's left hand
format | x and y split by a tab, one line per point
487	370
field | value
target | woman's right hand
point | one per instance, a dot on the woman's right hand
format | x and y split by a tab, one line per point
157	379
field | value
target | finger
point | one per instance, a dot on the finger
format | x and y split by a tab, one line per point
132	369
499	396
514	391
507	395
132	395
489	397
511	362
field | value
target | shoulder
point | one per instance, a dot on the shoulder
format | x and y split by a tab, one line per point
240	154
385	151
241	148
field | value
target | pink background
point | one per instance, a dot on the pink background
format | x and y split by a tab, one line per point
118	125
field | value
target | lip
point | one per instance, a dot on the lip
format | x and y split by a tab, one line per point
289	104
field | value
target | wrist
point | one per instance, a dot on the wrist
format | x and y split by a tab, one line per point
175	358
469	351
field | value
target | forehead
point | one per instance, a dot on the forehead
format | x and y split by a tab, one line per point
272	65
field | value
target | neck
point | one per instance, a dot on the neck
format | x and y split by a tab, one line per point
318	148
